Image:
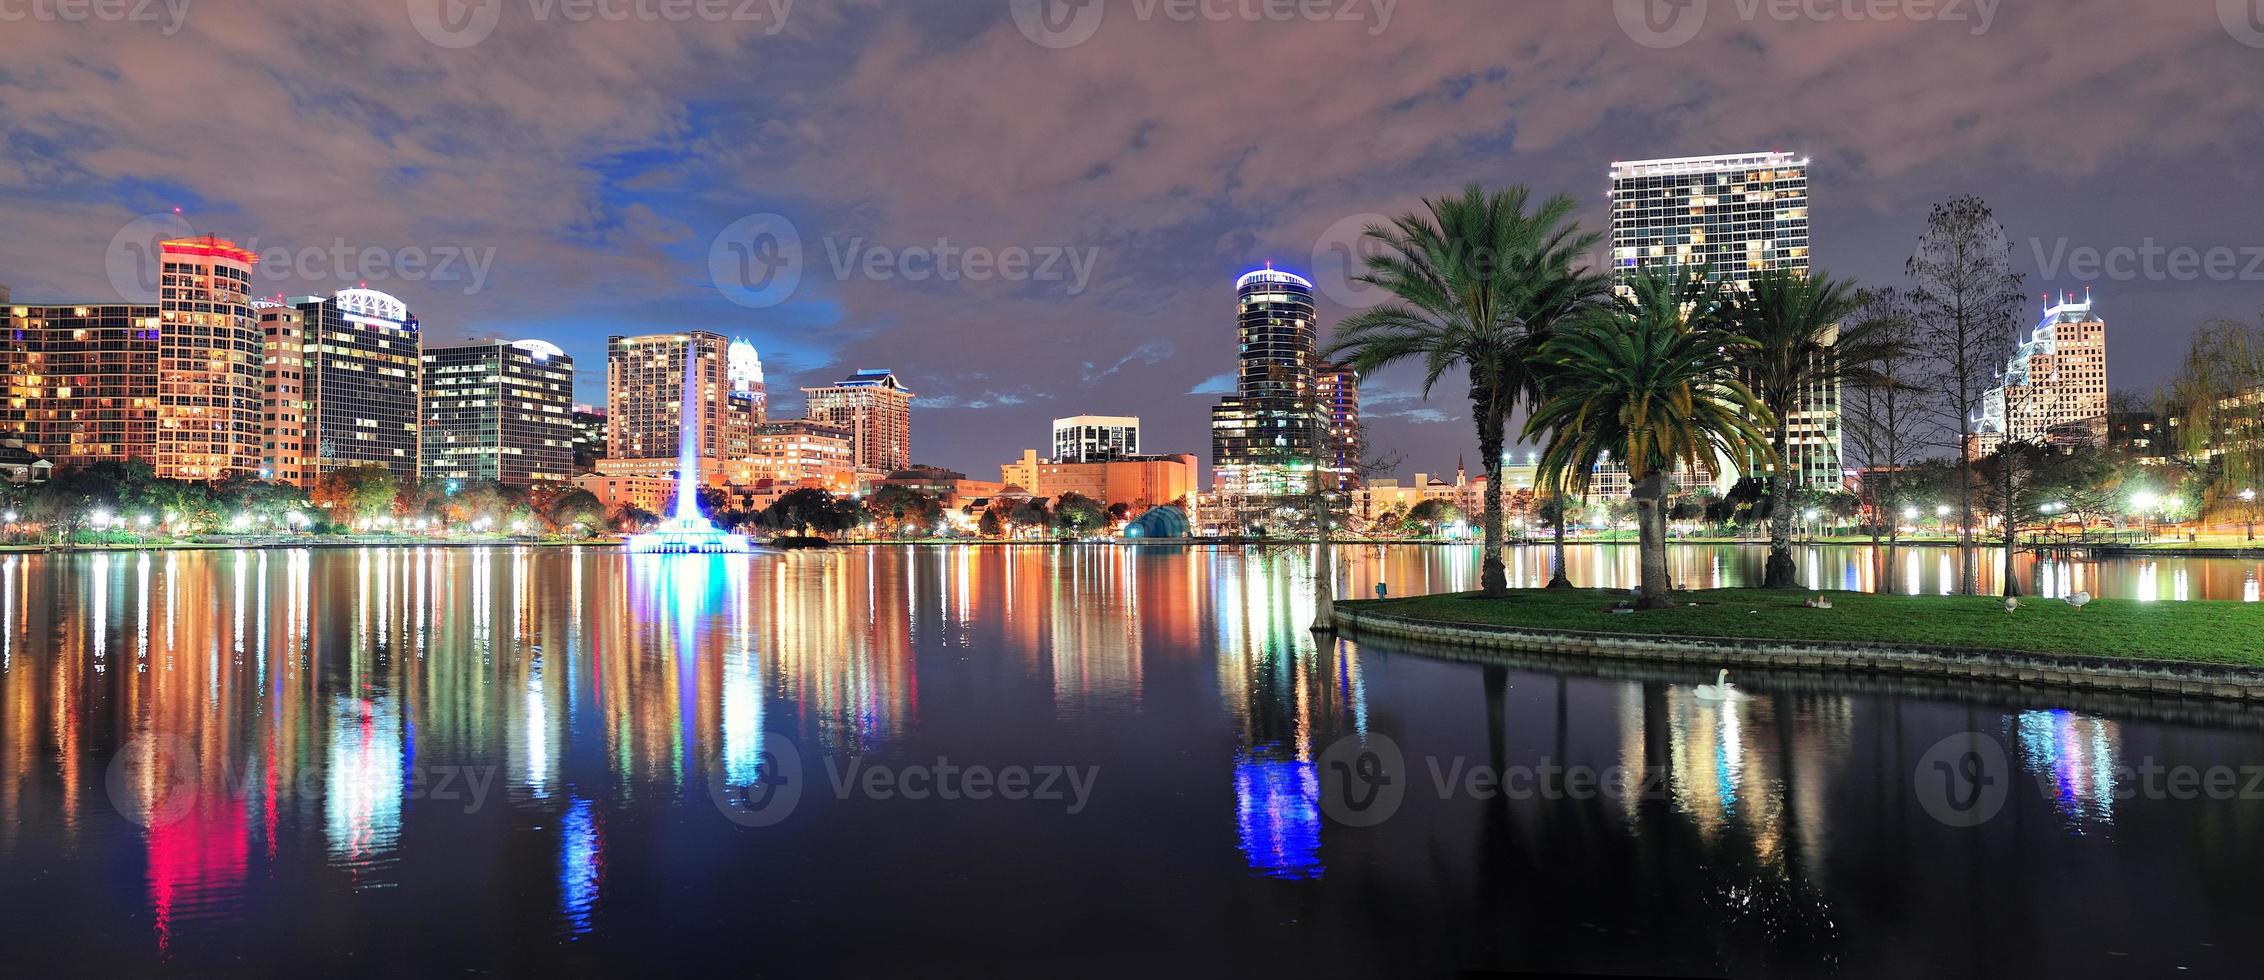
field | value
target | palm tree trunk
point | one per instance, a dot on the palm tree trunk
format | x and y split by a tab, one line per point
1558	579
1781	573
1491	423
1650	527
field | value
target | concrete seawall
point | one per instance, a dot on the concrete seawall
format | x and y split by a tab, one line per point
2166	678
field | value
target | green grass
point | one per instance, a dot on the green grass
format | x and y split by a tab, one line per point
2208	632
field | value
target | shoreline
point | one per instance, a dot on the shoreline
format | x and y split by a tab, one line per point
2130	676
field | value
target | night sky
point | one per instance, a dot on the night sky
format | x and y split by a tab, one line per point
596	167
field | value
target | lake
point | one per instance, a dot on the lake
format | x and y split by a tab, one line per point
1107	760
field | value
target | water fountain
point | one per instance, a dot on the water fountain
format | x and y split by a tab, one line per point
687	531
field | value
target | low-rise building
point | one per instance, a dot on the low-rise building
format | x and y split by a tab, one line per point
1138	481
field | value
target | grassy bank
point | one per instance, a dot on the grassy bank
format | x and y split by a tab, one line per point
2205	632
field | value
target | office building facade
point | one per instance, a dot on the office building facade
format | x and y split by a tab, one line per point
500	411
1738	215
876	409
177	385
2054	385
1263	437
1085	438
362	363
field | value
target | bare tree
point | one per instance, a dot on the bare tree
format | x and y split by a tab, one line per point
1965	297
1884	416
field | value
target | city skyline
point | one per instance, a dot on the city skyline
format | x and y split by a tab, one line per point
1165	204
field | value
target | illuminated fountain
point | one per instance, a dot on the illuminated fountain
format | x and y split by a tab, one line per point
687	531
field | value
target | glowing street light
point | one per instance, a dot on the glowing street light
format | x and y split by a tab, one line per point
2249	497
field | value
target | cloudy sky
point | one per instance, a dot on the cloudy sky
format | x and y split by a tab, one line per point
1033	208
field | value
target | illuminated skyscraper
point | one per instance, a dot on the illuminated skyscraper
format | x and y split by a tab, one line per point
645	393
1738	215
176	385
283	455
2055	385
876	410
1339	387
1262	436
499	411
362	382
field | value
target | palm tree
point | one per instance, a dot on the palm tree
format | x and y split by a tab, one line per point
1646	382
1478	284
1801	343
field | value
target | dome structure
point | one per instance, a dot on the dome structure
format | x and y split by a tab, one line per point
1166	521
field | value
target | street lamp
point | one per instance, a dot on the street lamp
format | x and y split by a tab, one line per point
2146	502
1942	518
2248	498
1809	516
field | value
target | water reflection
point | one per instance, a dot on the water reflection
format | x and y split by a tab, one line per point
257	732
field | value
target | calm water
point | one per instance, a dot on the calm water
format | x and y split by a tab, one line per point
505	759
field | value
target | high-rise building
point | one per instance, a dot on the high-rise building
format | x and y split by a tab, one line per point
873	405
2056	381
1084	438
1339	399
645	400
589	437
1262	436
499	411
1738	215
802	452
283	453
176	384
361	379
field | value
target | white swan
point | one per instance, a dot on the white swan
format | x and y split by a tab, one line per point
2011	603
2079	600
1720	690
